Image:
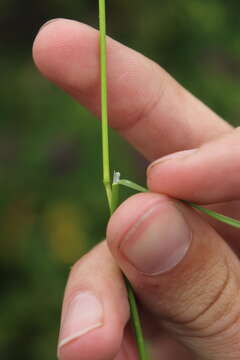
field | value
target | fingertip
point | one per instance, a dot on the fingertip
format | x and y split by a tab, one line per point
57	57
173	174
49	22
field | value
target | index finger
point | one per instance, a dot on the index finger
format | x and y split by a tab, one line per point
146	105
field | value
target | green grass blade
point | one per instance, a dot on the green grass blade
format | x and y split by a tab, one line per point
132	185
225	219
104	108
222	218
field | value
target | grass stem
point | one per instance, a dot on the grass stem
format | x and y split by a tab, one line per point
136	323
113	191
104	103
135	318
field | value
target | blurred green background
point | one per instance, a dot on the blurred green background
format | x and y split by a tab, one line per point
52	204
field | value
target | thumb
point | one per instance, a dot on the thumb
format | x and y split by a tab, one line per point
183	272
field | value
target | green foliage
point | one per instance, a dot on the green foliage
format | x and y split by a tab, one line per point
52	202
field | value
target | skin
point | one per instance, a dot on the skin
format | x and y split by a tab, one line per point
192	309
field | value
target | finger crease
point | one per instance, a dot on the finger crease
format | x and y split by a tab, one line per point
145	113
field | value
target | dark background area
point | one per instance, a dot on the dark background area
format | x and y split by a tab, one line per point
52	204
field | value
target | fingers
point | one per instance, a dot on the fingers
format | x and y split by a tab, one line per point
146	105
95	309
184	274
209	174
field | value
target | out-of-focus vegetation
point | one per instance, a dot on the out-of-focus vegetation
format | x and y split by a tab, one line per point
52	203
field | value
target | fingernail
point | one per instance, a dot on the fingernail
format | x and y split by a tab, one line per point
177	155
158	241
49	22
84	313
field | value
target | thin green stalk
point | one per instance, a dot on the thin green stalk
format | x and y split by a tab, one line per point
222	218
136	322
104	109
225	219
132	185
113	192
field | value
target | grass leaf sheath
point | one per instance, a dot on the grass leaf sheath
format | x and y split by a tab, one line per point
113	191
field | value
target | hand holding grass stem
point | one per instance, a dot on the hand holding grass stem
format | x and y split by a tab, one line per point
112	192
222	218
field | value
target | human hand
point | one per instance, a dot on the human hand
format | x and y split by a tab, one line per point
181	265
